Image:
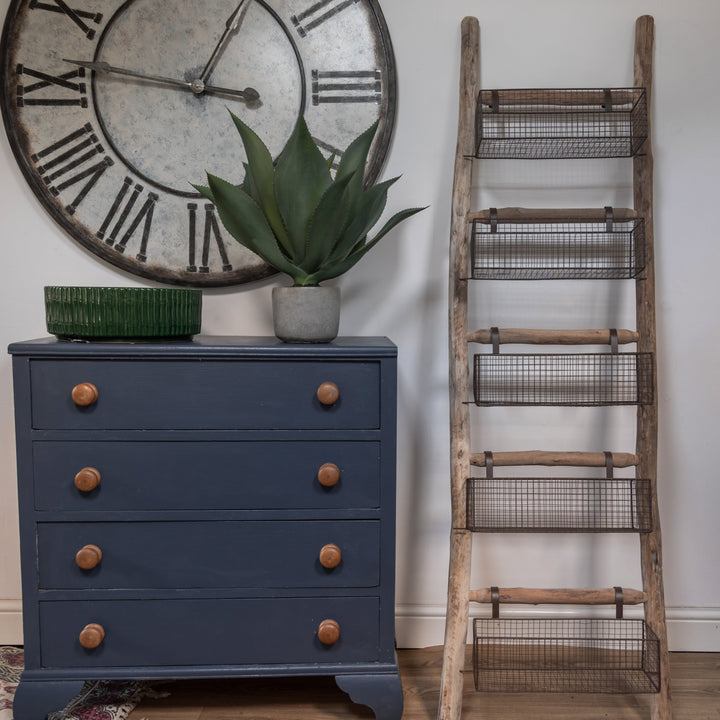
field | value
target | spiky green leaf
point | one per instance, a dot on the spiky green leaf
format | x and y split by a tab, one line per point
396	219
260	179
353	161
205	191
245	220
332	270
248	185
301	178
355	157
328	223
367	213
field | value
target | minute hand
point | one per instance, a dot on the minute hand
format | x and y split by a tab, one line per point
195	86
230	26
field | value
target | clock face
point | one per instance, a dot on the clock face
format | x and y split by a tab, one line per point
114	108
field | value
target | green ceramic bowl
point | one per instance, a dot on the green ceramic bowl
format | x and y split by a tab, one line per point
122	313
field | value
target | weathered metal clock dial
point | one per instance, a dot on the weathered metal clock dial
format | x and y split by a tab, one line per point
114	108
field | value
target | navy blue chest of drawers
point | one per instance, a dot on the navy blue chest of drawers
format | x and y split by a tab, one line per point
221	507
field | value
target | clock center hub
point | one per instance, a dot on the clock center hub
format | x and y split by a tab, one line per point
197	86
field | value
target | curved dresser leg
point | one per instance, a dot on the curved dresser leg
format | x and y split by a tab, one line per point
34	699
382	693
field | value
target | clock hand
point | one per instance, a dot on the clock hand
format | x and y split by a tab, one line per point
249	94
197	86
103	67
231	25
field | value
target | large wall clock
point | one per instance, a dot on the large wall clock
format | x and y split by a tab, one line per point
113	107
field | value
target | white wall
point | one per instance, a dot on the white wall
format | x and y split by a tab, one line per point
400	290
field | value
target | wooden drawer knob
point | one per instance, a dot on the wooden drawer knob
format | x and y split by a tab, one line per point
328	393
88	557
84	394
330	556
87	479
91	636
329	475
329	632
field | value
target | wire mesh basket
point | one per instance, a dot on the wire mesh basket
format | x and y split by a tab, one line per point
565	123
558	505
557	250
571	655
586	379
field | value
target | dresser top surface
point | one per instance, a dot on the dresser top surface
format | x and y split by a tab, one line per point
209	345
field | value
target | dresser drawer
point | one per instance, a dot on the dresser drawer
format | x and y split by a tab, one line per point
146	633
217	554
206	475
210	395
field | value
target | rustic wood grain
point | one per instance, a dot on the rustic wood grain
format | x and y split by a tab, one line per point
558	596
450	704
553	98
450	701
552	215
525	336
695	678
647	417
550	458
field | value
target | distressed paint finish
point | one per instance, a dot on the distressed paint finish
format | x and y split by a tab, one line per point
112	157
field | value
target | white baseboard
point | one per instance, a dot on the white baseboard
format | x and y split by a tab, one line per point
11	622
690	629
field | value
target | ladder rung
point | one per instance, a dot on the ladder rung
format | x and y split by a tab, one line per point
552	97
553	215
544	457
559	596
523	336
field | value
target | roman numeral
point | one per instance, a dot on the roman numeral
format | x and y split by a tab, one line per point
332	152
64	81
318	13
346	86
59	6
71	160
211	231
125	202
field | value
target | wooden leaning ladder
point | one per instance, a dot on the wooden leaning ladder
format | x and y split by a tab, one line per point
462	457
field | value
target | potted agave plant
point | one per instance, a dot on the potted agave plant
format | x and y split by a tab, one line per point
303	222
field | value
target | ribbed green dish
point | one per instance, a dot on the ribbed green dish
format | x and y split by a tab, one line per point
121	313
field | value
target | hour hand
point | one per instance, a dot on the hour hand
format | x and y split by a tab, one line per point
197	86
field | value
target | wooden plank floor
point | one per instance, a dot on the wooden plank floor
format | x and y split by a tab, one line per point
695	692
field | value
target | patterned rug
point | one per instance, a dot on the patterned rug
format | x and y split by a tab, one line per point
97	700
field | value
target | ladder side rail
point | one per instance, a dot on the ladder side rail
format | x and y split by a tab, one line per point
647	415
451	687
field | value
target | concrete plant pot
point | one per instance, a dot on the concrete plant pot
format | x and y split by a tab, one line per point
306	314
